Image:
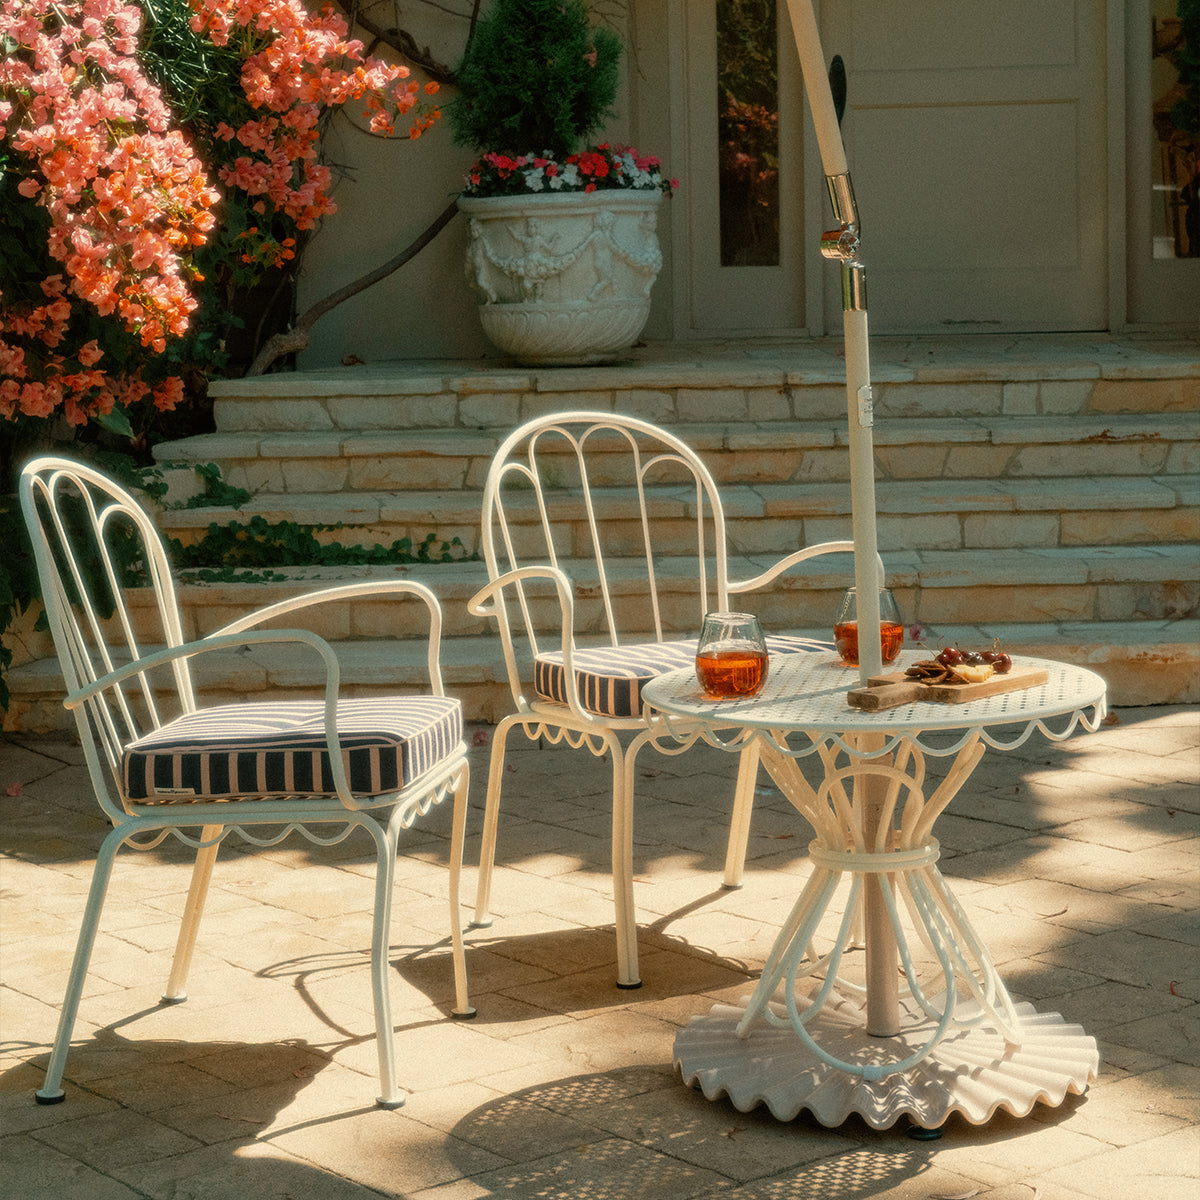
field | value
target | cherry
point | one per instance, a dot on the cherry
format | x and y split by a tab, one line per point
952	656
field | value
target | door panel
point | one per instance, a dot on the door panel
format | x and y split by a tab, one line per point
976	140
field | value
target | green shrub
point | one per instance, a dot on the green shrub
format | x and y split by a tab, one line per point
536	76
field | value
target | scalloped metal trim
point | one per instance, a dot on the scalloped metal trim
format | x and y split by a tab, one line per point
971	1071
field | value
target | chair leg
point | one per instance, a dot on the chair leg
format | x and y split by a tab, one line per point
181	964
51	1091
491	817
743	807
462	1004
386	841
628	975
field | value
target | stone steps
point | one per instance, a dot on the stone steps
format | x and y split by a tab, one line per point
737	382
286	463
1127	611
933	587
1142	662
942	514
1043	490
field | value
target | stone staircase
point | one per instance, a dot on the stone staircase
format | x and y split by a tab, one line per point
1042	490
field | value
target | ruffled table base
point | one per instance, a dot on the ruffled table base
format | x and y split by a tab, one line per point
971	1071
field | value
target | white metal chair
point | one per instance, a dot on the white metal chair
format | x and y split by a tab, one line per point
160	764
606	495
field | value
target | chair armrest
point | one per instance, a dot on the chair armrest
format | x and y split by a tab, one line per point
790	560
494	592
337	765
350	591
162	658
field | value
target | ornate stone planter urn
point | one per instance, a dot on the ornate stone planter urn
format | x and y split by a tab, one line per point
563	278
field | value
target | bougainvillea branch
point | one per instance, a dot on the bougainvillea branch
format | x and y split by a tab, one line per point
296	338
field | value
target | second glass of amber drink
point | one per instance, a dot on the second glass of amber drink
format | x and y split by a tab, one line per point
845	629
731	657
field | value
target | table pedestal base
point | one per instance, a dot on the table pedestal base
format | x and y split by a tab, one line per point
971	1070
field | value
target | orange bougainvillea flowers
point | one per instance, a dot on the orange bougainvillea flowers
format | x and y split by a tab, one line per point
92	141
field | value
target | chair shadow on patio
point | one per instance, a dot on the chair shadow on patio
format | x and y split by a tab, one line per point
201	1127
564	968
217	1089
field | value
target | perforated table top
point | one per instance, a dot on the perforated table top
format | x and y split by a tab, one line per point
807	693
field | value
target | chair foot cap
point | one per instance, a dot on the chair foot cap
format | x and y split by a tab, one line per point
50	1097
382	1103
486	923
731	887
463	1014
173	999
629	987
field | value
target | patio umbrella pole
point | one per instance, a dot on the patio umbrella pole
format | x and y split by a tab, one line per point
841	246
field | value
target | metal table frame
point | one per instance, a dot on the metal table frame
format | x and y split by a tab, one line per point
812	1038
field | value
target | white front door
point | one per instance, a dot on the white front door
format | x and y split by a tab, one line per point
976	135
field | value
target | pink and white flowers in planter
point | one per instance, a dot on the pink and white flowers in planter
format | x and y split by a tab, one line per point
604	167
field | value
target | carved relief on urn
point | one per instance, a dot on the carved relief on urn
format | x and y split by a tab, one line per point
563	279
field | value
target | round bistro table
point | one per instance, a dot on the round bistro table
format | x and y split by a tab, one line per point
894	1038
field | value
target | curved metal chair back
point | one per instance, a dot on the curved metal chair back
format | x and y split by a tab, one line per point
110	598
610	498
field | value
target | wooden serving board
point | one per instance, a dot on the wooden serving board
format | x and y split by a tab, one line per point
890	691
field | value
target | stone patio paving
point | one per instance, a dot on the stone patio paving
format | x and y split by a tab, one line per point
1079	863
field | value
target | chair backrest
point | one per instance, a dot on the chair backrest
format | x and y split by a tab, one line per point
109	598
615	497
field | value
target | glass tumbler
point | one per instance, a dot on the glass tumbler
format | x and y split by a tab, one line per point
731	657
845	629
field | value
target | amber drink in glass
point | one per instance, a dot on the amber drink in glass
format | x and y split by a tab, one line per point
845	629
731	657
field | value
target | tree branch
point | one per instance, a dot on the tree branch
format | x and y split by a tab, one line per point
297	337
403	43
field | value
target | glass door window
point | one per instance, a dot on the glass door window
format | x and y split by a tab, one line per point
748	132
1175	117
1162	38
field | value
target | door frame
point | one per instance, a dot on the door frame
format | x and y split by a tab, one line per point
739	287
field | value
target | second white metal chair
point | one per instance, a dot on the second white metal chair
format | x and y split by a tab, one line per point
614	499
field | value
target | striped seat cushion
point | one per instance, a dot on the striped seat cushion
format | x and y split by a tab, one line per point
611	678
261	751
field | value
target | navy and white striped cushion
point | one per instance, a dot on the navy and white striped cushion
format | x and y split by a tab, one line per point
611	678
259	751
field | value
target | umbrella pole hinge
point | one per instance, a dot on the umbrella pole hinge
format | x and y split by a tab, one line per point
842	245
